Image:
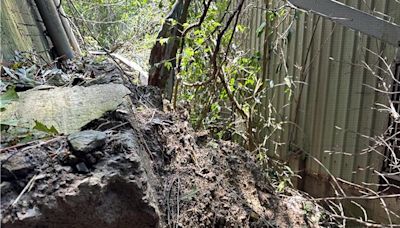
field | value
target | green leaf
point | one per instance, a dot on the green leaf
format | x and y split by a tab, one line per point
168	65
42	127
261	28
26	139
240	28
281	186
189	52
163	41
232	84
9	96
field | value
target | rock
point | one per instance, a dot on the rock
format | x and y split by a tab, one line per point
87	141
67	159
105	79
15	167
90	159
98	155
30	213
58	78
71	159
82	168
121	194
68	109
5	187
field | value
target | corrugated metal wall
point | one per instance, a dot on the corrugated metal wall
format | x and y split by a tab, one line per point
330	116
21	29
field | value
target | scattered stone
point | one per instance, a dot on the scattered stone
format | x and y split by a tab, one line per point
29	213
72	160
5	187
82	168
90	159
98	155
87	141
67	159
15	166
58	79
105	79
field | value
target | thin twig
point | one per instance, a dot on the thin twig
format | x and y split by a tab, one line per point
27	186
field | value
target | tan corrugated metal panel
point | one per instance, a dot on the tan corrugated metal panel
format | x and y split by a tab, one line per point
20	30
342	104
380	121
334	111
367	117
335	108
319	64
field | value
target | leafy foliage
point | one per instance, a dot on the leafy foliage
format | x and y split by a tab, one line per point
108	22
213	109
229	94
43	128
6	98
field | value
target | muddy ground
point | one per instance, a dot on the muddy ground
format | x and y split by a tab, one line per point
150	170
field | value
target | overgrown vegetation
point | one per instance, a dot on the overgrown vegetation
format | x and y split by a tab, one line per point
125	26
220	82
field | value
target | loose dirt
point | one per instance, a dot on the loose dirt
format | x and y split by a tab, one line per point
153	171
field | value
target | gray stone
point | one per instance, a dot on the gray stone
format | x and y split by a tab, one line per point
15	166
5	187
58	79
98	155
90	159
68	109
29	213
87	141
82	168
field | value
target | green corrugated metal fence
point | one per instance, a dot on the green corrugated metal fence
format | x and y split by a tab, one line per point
330	116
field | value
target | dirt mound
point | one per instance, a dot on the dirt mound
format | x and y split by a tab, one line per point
210	183
138	166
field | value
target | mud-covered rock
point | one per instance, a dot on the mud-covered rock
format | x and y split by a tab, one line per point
81	168
117	191
16	167
5	187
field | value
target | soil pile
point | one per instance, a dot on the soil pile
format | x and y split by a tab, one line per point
138	166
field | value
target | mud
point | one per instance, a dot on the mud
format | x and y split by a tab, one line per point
152	171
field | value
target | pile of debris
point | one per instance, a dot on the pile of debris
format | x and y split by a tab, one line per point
124	162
